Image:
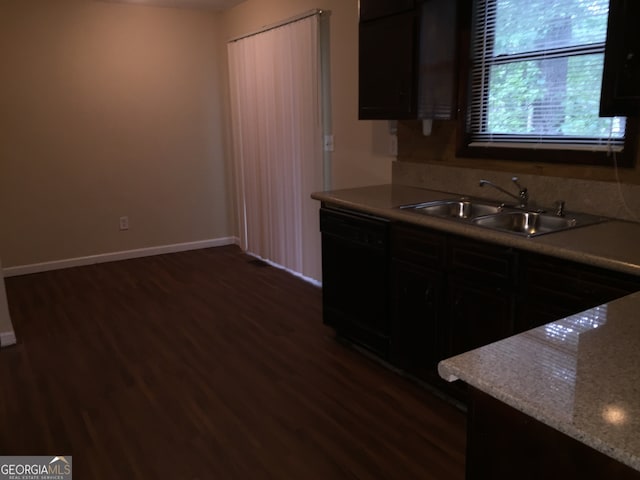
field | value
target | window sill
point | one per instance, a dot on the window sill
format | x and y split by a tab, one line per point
548	154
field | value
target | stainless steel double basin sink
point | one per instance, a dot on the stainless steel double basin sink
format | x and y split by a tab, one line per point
497	216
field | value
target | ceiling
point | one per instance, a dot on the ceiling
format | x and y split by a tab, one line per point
216	5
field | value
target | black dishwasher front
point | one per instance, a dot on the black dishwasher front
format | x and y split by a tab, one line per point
355	277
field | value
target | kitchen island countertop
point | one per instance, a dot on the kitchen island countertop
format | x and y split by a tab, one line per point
579	375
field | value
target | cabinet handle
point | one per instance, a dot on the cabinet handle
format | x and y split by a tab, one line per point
427	294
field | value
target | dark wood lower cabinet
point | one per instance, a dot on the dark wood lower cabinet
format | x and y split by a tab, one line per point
415	296
553	288
416	331
478	315
506	444
481	283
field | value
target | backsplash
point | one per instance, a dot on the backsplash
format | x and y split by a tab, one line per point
608	199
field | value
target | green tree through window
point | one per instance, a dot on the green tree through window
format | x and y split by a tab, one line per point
536	74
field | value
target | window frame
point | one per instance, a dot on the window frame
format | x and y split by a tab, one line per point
625	158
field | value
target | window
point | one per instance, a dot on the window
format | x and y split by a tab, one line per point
535	80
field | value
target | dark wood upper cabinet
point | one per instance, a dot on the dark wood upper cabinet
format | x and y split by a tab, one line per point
387	67
621	74
372	9
408	59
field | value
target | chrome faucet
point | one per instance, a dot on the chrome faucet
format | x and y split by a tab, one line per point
523	194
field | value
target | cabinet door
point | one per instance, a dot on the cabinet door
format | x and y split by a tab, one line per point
438	80
371	9
387	63
621	74
415	333
478	314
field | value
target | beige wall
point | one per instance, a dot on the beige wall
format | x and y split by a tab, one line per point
359	157
113	109
108	109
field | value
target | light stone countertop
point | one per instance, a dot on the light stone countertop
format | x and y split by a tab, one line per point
613	245
579	375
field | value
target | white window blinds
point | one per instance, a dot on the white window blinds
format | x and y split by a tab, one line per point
536	75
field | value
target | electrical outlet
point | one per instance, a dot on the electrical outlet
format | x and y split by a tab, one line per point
124	223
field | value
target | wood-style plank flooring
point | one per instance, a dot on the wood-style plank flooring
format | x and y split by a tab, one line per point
207	365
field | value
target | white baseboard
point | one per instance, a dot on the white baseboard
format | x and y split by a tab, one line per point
310	280
115	256
7	338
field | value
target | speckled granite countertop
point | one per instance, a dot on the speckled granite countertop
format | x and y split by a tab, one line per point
612	244
579	375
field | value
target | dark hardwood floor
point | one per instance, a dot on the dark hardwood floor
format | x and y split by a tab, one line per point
206	365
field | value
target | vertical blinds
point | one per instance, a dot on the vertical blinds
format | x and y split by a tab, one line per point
536	75
274	80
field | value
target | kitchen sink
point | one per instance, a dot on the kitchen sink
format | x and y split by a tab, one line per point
527	223
495	216
462	208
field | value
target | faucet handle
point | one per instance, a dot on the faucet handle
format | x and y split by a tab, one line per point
517	182
559	206
523	192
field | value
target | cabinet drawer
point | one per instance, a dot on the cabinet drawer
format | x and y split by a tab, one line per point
564	288
418	246
356	228
574	285
482	261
